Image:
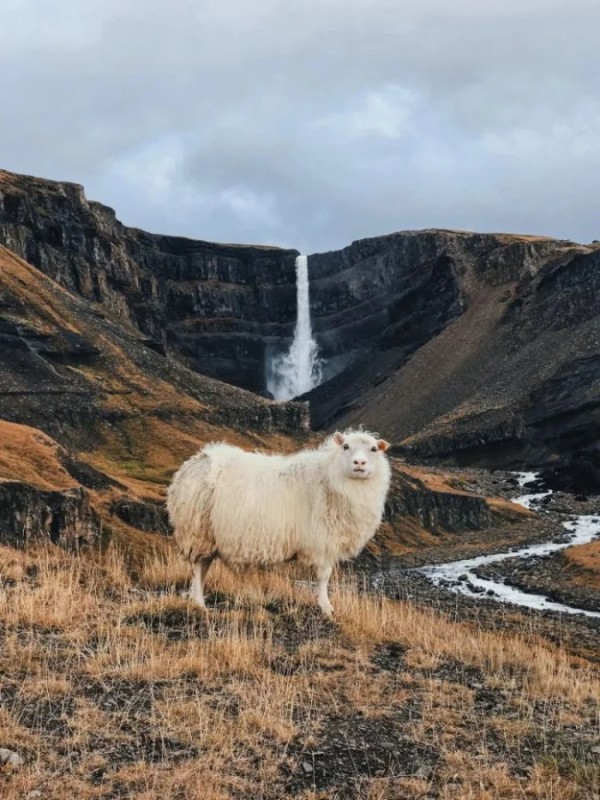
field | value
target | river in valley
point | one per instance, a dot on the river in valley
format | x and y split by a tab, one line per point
461	576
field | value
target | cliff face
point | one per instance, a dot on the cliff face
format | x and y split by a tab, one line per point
224	310
380	300
480	348
55	346
215	307
483	349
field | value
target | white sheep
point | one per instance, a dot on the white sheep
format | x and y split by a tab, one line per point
251	509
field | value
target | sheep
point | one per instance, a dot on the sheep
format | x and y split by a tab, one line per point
318	506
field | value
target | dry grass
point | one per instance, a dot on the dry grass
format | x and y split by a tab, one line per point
584	563
405	535
112	685
29	455
507	509
438	480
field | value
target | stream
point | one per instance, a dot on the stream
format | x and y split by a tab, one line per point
460	576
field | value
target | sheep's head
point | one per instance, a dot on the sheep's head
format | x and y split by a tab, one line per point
359	453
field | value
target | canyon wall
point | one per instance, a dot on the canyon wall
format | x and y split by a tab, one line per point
482	348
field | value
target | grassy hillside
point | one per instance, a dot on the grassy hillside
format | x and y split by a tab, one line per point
113	686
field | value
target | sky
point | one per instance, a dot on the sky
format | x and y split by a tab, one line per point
311	124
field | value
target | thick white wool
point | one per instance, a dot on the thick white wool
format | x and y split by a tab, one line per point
255	509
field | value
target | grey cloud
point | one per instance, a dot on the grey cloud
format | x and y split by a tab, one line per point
311	124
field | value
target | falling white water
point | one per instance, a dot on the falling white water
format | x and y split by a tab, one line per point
298	370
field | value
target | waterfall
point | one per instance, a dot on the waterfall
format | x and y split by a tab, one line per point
298	370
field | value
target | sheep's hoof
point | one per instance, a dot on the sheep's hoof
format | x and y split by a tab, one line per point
327	611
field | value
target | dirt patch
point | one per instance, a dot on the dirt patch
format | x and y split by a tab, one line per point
46	716
118	696
173	623
293	626
351	751
389	656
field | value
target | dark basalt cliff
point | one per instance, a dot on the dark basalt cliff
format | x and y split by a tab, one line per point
216	307
513	379
482	348
379	300
70	370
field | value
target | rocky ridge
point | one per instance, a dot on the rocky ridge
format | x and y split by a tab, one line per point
481	348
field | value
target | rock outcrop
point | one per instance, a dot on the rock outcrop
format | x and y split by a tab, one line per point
435	509
29	514
145	516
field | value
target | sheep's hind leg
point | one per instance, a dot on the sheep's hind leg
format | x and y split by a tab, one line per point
323	575
200	569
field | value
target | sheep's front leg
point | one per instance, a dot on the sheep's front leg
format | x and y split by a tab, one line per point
323	575
200	569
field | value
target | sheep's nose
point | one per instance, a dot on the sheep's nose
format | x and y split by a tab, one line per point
360	462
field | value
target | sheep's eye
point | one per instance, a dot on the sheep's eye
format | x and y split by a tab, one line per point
373	449
346	447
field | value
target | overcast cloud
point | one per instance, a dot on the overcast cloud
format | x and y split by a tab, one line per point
310	124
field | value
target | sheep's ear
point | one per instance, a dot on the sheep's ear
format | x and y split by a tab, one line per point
383	445
338	438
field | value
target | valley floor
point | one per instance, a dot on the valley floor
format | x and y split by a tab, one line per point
113	686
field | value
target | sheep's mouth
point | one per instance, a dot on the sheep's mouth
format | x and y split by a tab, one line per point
361	473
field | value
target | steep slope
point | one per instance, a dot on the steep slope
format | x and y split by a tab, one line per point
216	307
514	378
55	345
